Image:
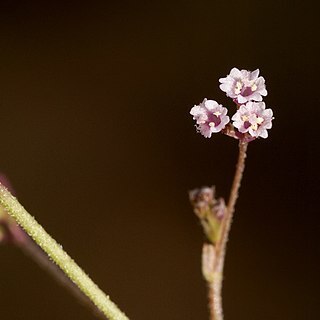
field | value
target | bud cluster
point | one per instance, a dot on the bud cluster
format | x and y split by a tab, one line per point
209	210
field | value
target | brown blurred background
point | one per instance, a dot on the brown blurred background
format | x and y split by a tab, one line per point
97	139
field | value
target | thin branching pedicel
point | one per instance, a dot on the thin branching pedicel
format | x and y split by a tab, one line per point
251	121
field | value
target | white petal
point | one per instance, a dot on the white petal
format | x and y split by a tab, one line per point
254	74
236	116
268	113
264	133
211	104
268	125
255	96
263	92
225	120
235	73
223	110
241	99
260	81
224	87
195	110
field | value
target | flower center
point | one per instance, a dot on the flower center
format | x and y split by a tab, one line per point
245	88
238	88
215	119
259	120
252	122
256	125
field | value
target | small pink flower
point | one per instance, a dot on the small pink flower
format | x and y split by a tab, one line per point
243	86
210	117
253	118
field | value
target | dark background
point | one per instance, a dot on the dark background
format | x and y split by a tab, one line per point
97	139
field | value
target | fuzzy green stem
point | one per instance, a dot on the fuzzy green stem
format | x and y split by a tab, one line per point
59	256
32	250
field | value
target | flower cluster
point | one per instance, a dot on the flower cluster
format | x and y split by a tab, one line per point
251	119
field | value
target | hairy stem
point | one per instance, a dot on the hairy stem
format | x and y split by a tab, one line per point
59	256
32	250
214	294
226	224
214	288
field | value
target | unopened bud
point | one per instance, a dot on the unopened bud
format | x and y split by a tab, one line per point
202	200
209	210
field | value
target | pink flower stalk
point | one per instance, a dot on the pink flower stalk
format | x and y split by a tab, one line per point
243	86
210	117
253	118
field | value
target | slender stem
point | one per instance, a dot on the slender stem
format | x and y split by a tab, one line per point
32	250
214	295
226	224
59	256
214	288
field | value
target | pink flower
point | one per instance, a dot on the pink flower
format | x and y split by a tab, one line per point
253	118
243	86
210	117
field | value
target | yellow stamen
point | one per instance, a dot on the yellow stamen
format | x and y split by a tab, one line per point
259	120
238	87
